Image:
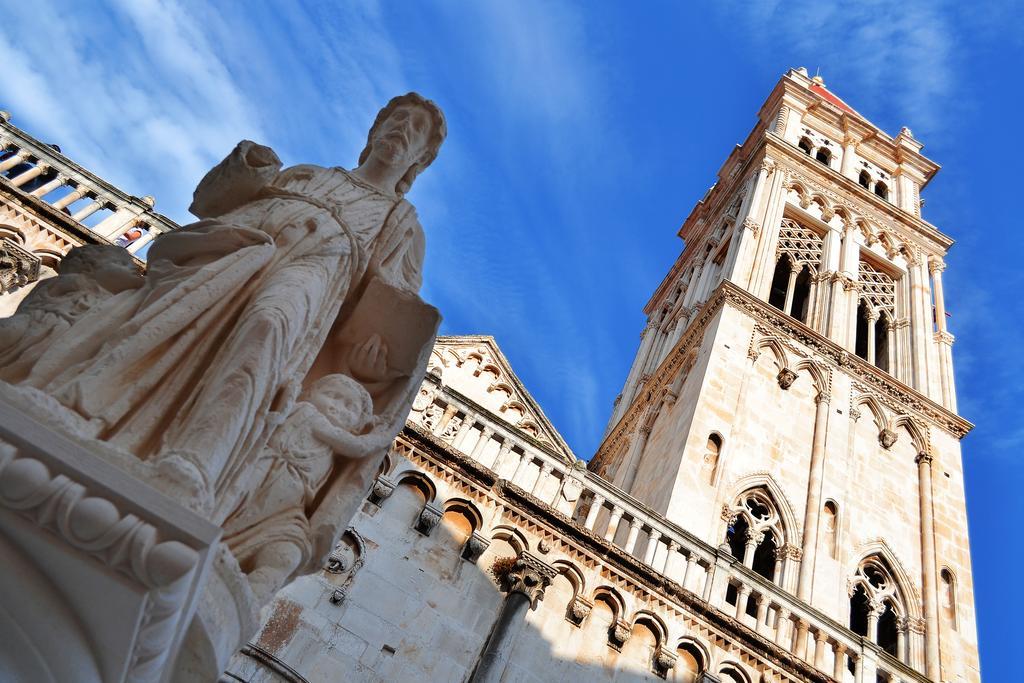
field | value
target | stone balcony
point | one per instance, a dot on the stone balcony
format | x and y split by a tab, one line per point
710	578
72	194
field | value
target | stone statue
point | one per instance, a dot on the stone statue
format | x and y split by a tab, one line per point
242	308
259	370
89	275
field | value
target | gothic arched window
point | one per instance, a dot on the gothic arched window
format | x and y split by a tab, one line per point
876	608
799	256
754	532
882	190
805	145
865	180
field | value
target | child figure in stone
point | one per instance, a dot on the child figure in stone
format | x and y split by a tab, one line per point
273	533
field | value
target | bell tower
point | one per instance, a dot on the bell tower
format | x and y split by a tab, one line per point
792	400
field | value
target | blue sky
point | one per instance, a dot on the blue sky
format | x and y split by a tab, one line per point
580	136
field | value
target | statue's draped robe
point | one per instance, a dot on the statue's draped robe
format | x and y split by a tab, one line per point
234	312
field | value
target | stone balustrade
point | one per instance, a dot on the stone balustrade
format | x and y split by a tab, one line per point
38	170
710	573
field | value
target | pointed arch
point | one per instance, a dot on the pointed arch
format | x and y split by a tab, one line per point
877	410
775	346
818	373
763	480
908	593
918	432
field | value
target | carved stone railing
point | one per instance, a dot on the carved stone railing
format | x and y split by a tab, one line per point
712	574
41	172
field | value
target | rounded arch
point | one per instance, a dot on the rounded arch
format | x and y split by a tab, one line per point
514	537
733	672
654	623
419	481
764	480
11	232
878	548
571	572
466	508
700	650
612	598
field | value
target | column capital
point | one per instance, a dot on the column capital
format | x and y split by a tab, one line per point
530	576
744	589
672	547
823	397
784	613
936	265
636	523
820	635
924	459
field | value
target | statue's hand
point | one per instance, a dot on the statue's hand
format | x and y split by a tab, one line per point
368	361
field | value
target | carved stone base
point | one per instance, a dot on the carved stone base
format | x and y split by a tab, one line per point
101	573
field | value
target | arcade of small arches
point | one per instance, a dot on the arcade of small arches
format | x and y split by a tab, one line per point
638	636
822	153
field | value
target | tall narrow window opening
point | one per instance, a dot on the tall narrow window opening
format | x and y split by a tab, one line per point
780	281
865	180
882	190
882	342
861	345
801	295
805	145
824	156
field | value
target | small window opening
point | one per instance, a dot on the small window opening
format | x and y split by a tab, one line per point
824	156
805	145
882	343
736	537
865	180
882	190
801	295
861	345
859	612
888	630
780	281
764	557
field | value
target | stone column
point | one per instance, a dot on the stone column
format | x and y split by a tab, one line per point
13	161
839	662
632	463
928	566
782	624
673	548
812	513
762	613
634	531
34	172
595	507
790	288
520	468
89	209
652	547
70	198
481	443
741	601
691	560
524	584
545	470
464	429
750	547
802	629
613	524
49	187
820	646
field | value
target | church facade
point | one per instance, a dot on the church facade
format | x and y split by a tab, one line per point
779	494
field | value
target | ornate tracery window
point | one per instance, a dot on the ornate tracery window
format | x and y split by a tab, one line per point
798	258
876	316
877	611
755	533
